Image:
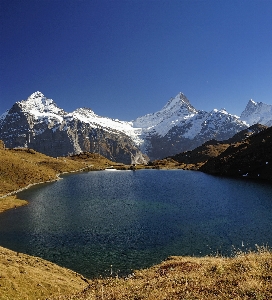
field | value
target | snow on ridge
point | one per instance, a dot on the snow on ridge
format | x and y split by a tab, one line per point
177	102
41	107
195	128
257	112
3	116
175	110
86	115
165	125
179	112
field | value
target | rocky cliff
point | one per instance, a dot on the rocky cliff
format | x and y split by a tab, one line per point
38	123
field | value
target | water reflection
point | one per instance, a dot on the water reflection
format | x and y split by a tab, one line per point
91	221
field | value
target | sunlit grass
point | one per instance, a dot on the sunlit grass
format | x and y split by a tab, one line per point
244	276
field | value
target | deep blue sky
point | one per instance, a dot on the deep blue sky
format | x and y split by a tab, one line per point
124	59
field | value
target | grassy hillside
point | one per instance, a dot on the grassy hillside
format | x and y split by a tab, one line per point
27	277
20	168
252	158
246	154
246	276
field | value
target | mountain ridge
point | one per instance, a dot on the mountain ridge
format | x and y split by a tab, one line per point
40	124
257	112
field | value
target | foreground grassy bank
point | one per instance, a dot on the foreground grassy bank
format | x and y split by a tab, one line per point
245	276
27	277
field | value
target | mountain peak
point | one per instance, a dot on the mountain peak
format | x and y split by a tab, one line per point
38	98
176	110
257	112
183	97
38	104
84	113
180	101
36	94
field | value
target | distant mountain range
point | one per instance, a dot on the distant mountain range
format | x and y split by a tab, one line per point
38	123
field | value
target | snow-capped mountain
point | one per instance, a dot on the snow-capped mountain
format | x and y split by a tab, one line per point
175	110
40	124
40	106
179	127
257	112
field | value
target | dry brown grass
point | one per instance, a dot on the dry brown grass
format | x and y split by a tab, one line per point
11	202
20	168
95	161
245	276
27	277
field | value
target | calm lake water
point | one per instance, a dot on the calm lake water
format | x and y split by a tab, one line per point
104	222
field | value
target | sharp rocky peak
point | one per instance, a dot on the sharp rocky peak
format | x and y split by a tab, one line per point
37	103
251	105
257	112
178	102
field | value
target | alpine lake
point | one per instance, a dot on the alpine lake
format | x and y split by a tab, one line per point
108	223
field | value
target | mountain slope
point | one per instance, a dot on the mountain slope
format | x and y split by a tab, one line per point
38	123
179	127
252	158
175	111
191	132
197	157
257	112
246	155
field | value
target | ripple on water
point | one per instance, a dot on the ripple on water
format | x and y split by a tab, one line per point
101	222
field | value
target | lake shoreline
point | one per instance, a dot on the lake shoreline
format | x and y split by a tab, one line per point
11	198
20	202
192	274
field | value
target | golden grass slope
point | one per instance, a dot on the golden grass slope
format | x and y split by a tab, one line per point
245	276
11	202
28	277
20	168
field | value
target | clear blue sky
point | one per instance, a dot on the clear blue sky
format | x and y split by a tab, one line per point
124	59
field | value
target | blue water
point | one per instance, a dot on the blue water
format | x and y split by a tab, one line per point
102	223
